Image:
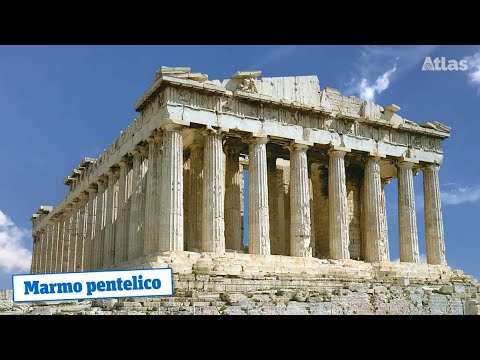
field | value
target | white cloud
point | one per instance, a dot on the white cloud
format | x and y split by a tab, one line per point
368	91
460	195
13	256
375	65
474	69
455	195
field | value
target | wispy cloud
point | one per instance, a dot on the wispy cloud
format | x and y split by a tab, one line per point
377	66
273	55
13	256
368	91
454	195
474	70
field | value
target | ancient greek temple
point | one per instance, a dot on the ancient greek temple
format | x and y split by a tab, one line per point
317	164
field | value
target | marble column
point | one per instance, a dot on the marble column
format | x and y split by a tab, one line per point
384	216
299	202
320	210
434	235
33	268
407	219
123	219
97	243
283	178
213	230
108	242
273	213
41	261
151	236
171	184
48	247
187	238
81	232
258	219
57	245
62	239
337	206
375	242
136	230
72	255
90	231
196	194
233	195
66	237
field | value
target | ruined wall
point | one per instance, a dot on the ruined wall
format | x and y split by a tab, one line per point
272	295
353	217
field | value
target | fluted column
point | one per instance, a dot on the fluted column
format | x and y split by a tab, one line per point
72	256
61	241
213	230
320	210
337	206
57	245
40	261
136	230
108	242
375	242
258	219
66	238
33	268
48	248
90	231
434	235
151	236
407	219
97	244
196	194
81	231
171	210
123	219
187	238
283	177
273	213
384	216
299	202
233	195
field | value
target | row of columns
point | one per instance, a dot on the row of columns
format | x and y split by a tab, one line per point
137	208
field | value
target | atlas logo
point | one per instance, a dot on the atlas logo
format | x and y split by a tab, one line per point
441	64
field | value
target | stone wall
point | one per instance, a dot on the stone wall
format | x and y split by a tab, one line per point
201	294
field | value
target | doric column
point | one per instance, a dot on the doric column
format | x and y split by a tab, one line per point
375	242
57	245
48	247
72	256
151	199
41	261
97	243
136	230
233	195
258	219
213	229
337	206
123	215
109	239
300	226
90	235
66	237
61	241
434	236
171	209
283	178
384	215
81	231
196	194
407	219
273	213
187	238
320	209
34	254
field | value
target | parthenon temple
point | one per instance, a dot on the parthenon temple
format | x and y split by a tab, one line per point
306	167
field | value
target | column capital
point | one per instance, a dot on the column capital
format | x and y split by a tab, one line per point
430	167
336	153
93	188
123	161
139	150
172	127
233	145
405	164
256	139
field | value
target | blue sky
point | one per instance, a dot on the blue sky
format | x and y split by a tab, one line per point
62	103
